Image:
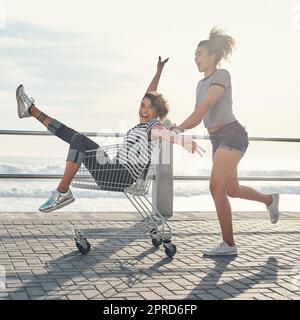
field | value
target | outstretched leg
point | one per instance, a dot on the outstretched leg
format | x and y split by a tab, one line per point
40	116
54	126
27	108
78	145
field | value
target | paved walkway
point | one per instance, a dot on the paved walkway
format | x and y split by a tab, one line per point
39	260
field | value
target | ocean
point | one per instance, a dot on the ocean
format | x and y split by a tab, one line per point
27	195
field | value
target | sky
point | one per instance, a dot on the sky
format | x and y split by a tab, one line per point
88	63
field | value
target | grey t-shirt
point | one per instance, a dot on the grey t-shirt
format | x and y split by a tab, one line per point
221	113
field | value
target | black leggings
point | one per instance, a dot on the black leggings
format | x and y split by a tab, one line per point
109	176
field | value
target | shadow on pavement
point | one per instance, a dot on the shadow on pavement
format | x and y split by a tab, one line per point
71	266
232	288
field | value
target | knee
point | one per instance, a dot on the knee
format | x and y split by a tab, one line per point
233	193
216	189
77	140
77	137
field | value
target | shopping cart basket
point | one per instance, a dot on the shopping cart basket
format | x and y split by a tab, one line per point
101	172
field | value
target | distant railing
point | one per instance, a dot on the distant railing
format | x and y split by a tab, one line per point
162	191
115	134
179	178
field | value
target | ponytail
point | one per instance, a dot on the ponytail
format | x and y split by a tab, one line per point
219	43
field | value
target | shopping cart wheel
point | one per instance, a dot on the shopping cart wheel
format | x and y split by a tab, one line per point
156	242
83	246
156	239
170	249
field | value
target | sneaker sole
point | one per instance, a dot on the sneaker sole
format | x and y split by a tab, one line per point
276	202
58	206
18	106
220	254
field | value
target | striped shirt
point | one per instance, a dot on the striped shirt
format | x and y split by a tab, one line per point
136	151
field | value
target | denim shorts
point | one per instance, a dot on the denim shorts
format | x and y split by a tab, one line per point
233	136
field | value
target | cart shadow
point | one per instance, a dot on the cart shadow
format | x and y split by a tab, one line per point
133	276
66	268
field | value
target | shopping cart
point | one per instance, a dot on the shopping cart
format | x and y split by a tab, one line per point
101	172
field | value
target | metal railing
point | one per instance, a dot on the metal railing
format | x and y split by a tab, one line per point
36	176
118	135
164	177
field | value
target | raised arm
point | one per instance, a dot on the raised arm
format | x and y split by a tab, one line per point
154	83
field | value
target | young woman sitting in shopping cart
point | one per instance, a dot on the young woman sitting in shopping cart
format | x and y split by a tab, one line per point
131	156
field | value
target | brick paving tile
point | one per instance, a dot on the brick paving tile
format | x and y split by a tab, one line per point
41	261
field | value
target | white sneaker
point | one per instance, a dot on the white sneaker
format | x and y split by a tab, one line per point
23	102
273	208
223	249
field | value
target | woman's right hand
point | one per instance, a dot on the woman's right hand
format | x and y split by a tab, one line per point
191	146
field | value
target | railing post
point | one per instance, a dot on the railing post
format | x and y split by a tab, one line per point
162	188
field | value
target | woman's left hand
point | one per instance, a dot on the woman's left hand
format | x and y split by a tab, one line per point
161	64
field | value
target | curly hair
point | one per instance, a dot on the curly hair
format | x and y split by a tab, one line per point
159	103
219	43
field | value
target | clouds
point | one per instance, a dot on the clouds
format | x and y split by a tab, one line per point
59	68
42	54
99	56
88	63
2	17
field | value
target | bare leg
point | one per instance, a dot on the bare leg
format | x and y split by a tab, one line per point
39	115
224	166
234	190
70	171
